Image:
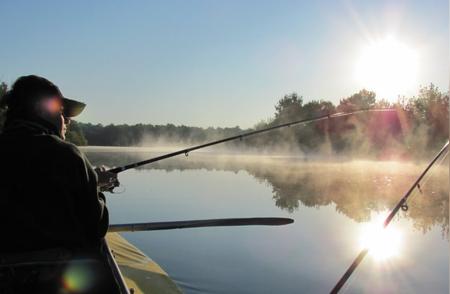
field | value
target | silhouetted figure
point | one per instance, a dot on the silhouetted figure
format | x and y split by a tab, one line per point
50	205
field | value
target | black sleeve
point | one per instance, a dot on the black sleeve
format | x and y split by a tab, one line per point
89	202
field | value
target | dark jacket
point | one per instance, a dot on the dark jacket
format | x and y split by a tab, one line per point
48	192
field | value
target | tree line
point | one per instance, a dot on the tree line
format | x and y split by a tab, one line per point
417	124
420	123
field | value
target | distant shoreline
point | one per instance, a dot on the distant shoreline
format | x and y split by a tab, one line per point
241	154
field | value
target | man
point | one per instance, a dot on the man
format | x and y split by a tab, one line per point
49	193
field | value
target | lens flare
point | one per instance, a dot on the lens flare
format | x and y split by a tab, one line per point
78	278
383	243
388	67
53	105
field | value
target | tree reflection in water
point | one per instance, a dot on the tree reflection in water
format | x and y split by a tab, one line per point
356	188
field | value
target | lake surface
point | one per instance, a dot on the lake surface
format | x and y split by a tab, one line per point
334	205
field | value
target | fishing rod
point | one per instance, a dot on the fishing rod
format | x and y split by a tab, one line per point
400	205
224	222
186	151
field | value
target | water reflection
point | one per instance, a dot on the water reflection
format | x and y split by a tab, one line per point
357	189
383	243
308	256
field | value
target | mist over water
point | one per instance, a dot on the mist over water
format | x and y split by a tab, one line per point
330	200
356	187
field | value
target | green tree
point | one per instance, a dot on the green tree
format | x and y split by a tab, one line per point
75	134
364	99
289	108
429	117
312	136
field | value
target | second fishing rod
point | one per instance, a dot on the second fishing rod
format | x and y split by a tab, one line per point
402	204
186	151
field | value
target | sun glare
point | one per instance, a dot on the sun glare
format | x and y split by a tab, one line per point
387	67
383	243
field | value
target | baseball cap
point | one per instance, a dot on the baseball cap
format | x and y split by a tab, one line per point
30	89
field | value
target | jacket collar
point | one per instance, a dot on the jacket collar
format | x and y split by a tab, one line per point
29	127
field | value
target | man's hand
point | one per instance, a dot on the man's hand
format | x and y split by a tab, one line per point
107	181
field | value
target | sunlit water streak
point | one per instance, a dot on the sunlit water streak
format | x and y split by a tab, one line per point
382	242
331	203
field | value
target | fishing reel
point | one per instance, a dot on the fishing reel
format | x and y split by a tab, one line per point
111	187
107	181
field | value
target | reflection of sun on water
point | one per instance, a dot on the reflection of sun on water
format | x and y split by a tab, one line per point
387	67
383	243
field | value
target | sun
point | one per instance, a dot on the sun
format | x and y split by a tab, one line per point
388	67
383	243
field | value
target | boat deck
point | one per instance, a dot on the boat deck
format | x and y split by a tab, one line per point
139	271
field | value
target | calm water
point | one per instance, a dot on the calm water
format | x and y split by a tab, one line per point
333	205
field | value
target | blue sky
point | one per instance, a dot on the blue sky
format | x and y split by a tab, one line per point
210	63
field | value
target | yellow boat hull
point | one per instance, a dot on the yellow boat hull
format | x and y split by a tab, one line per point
139	271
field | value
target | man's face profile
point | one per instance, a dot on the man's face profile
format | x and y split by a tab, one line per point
52	110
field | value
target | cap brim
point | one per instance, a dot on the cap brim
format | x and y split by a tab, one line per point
72	108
